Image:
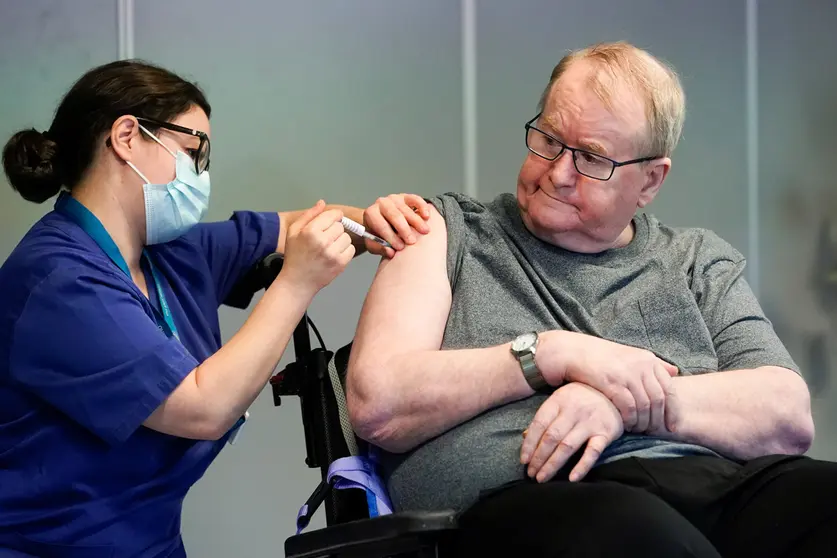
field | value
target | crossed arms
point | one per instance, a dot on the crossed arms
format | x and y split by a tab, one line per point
402	389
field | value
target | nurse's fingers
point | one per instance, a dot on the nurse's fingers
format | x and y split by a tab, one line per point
334	231
347	254
340	244
306	217
325	219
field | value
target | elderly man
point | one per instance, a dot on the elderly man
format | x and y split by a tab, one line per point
559	335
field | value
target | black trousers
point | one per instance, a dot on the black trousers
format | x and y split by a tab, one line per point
697	506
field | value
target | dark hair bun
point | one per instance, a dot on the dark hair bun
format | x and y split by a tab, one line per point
29	162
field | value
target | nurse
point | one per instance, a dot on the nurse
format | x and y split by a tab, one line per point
115	391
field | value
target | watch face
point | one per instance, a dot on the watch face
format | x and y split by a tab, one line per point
524	342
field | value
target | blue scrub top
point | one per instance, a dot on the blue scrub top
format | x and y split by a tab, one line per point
83	363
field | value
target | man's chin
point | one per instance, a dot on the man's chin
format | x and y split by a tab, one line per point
553	223
545	215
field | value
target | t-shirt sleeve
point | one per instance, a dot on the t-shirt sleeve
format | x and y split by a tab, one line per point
85	345
234	246
449	208
742	335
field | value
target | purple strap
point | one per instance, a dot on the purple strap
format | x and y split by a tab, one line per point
353	472
301	523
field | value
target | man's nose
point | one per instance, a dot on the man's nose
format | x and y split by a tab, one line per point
563	171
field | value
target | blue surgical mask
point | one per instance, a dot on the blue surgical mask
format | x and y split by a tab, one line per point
174	208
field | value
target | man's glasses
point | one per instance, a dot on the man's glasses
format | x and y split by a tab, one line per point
200	155
587	163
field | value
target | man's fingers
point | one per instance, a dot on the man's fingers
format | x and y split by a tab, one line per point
378	249
571	443
670	368
377	224
643	404
623	399
419	210
654	389
397	221
413	219
419	204
661	410
547	413
672	417
553	436
595	446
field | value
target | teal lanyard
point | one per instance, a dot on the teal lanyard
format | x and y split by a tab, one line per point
168	320
89	223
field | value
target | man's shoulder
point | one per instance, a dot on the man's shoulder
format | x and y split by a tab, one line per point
699	244
472	225
461	211
451	204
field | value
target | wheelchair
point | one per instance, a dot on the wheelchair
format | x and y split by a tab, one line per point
317	377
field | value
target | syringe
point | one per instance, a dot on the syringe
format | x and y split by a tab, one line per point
361	231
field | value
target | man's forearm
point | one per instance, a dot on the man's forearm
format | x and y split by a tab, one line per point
401	402
743	413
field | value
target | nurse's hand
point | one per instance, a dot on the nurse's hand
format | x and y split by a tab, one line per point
397	219
317	249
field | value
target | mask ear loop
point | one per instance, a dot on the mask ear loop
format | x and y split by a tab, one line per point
152	136
166	147
136	170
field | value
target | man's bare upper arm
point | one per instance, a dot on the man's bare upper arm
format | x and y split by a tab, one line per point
407	306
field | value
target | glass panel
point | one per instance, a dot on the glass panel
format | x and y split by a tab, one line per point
798	213
346	101
46	46
520	42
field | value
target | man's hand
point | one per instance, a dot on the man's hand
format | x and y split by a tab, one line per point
573	414
396	218
635	380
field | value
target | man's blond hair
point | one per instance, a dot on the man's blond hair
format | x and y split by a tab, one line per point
657	83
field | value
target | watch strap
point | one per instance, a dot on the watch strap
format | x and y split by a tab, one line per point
530	371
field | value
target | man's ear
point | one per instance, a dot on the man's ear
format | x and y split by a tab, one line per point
123	137
655	174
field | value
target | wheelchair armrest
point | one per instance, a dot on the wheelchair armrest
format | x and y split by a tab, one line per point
382	536
257	278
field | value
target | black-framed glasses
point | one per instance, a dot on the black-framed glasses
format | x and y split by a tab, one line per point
587	163
200	155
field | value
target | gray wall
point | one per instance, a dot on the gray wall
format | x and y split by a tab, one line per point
352	100
798	190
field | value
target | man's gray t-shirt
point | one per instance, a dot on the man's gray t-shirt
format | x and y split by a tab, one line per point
679	293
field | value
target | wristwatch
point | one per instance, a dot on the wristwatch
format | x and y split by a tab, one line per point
524	348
